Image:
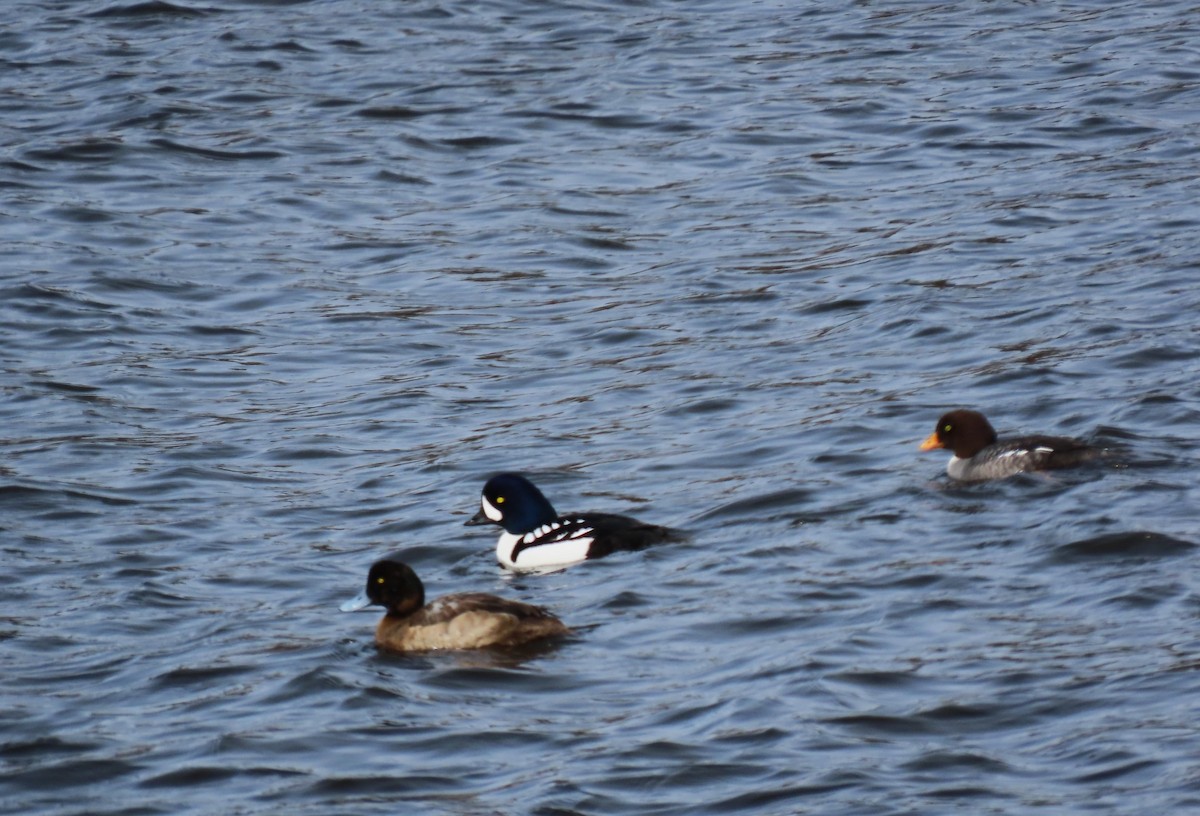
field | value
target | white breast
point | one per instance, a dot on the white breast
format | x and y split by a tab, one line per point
504	549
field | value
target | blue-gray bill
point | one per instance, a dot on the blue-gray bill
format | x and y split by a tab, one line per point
360	601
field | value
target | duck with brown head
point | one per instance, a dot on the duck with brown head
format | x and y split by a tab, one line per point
980	455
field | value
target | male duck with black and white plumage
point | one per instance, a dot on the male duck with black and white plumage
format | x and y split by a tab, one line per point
535	537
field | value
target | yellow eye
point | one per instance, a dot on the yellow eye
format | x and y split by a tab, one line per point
499	500
947	428
379	580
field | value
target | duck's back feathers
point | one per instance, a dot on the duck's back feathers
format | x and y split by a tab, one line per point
1024	455
471	620
612	533
580	537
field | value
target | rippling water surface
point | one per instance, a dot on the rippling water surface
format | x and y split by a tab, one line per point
283	282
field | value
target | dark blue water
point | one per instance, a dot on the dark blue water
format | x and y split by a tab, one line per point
283	282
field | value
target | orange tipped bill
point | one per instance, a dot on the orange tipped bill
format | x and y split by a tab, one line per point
931	443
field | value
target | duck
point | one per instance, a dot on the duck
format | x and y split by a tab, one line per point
467	620
980	456
536	537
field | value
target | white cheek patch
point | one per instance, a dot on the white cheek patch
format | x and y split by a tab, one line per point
490	510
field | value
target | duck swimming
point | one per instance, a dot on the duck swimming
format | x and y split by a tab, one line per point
468	620
536	537
979	455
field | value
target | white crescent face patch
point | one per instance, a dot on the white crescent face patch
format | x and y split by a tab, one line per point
490	510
